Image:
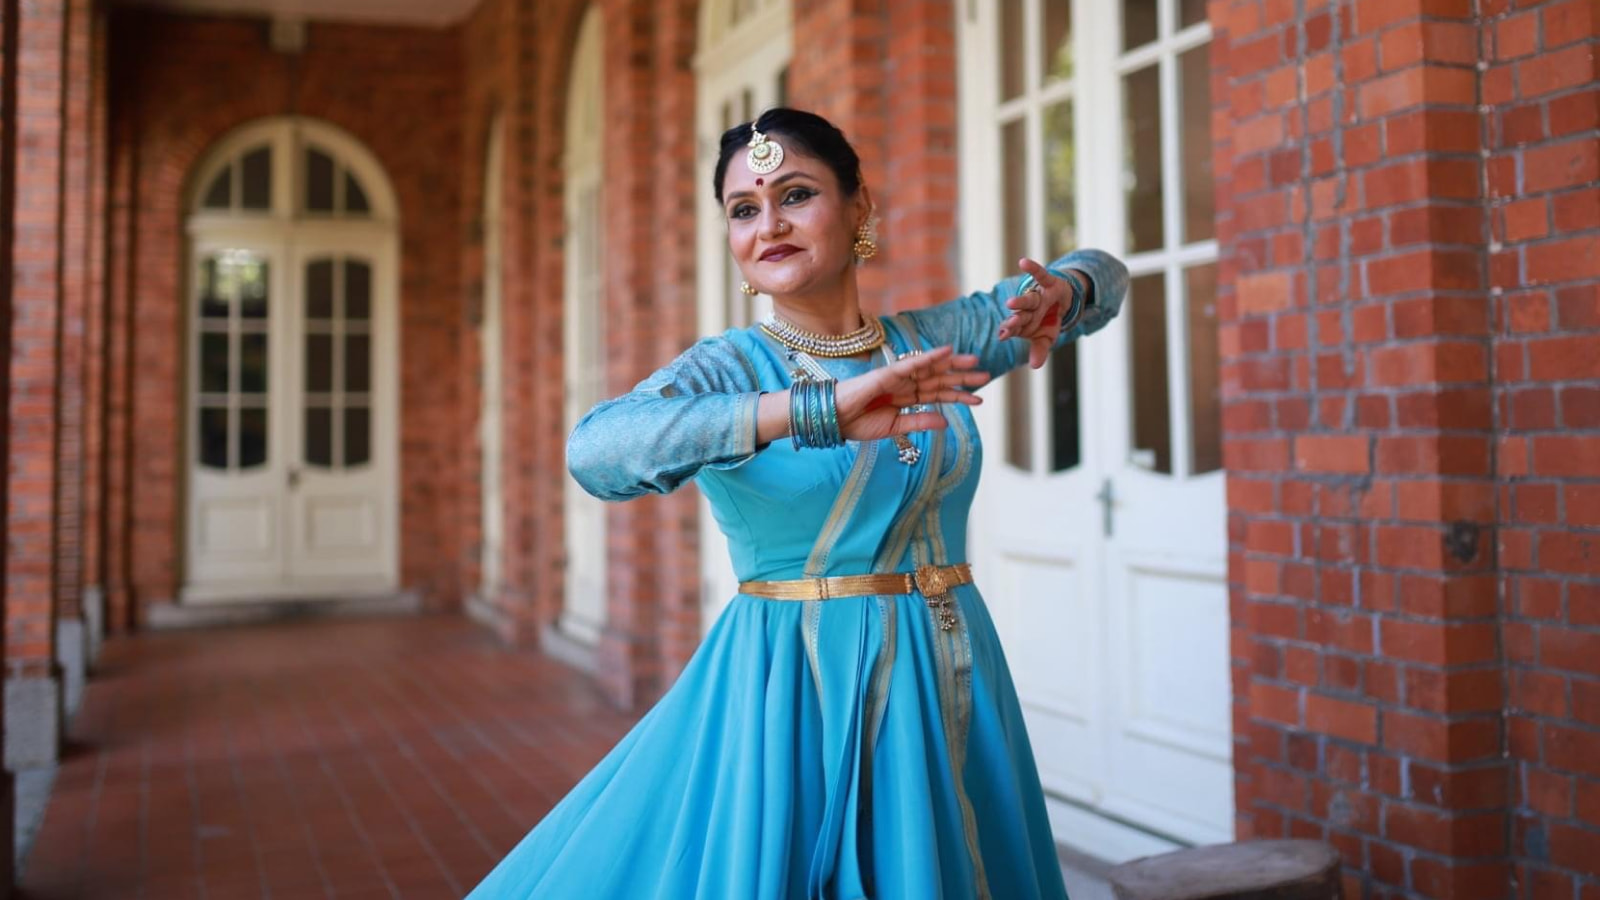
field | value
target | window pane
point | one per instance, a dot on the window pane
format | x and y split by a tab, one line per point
1065	443
357	435
1011	36
1019	421
256	177
319	436
1057	55
213	304
1205	392
1194	91
1191	12
1014	150
1152	428
220	193
253	291
252	437
213	437
1141	173
355	199
319	181
319	289
253	363
1138	23
1061	209
357	290
319	363
357	363
213	363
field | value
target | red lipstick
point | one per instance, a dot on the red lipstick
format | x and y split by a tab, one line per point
781	251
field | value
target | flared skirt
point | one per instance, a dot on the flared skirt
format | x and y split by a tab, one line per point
817	750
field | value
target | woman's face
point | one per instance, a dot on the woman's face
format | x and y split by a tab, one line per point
791	231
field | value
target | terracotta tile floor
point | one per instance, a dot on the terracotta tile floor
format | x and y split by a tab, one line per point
392	758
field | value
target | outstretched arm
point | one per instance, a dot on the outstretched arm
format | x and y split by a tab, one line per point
1003	327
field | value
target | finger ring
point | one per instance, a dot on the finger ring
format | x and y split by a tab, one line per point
1029	284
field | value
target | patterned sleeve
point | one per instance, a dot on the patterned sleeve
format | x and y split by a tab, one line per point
971	323
698	411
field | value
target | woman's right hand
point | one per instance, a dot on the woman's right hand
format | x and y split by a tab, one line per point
869	405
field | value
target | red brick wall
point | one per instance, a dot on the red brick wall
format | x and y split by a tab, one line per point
1543	139
1375	343
76	231
94	261
31	575
191	80
8	161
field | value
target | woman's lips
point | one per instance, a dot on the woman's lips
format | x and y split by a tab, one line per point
782	251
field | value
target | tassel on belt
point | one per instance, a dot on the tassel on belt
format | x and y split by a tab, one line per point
934	582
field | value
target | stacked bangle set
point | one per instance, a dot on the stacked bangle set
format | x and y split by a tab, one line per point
813	416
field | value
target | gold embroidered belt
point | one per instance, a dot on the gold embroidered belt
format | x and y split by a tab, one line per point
935	583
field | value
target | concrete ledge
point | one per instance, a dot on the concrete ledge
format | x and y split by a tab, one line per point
484	612
72	654
563	647
33	722
167	616
1249	870
94	619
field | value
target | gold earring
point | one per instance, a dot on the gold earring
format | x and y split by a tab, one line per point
865	247
747	290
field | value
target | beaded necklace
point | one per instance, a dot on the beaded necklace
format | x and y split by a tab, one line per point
870	336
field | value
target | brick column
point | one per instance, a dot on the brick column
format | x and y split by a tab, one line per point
1543	134
629	653
122	246
33	689
95	420
8	163
1358	439
678	186
76	238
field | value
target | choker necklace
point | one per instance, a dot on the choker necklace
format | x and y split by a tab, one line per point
868	337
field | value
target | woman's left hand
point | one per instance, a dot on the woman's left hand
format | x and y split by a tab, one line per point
1036	313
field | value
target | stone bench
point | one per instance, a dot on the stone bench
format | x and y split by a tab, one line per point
1253	870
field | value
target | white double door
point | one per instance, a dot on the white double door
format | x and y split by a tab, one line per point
736	84
291	416
1099	531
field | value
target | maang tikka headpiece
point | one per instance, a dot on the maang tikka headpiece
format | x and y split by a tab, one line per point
765	155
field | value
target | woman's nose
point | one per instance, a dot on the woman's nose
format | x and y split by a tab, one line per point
768	224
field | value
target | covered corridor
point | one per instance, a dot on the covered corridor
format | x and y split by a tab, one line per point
394	758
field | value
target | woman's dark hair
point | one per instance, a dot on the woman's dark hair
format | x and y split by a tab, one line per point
803	132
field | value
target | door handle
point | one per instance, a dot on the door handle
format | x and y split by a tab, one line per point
1108	498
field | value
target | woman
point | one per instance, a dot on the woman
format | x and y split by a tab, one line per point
835	736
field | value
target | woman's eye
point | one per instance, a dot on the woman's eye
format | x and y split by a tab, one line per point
742	211
798	195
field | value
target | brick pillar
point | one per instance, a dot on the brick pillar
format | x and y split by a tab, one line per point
1543	134
94	444
33	688
919	211
76	238
122	246
678	186
1358	439
839	72
527	495
8	163
629	655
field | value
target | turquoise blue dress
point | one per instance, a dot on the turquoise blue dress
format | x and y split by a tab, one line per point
828	750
